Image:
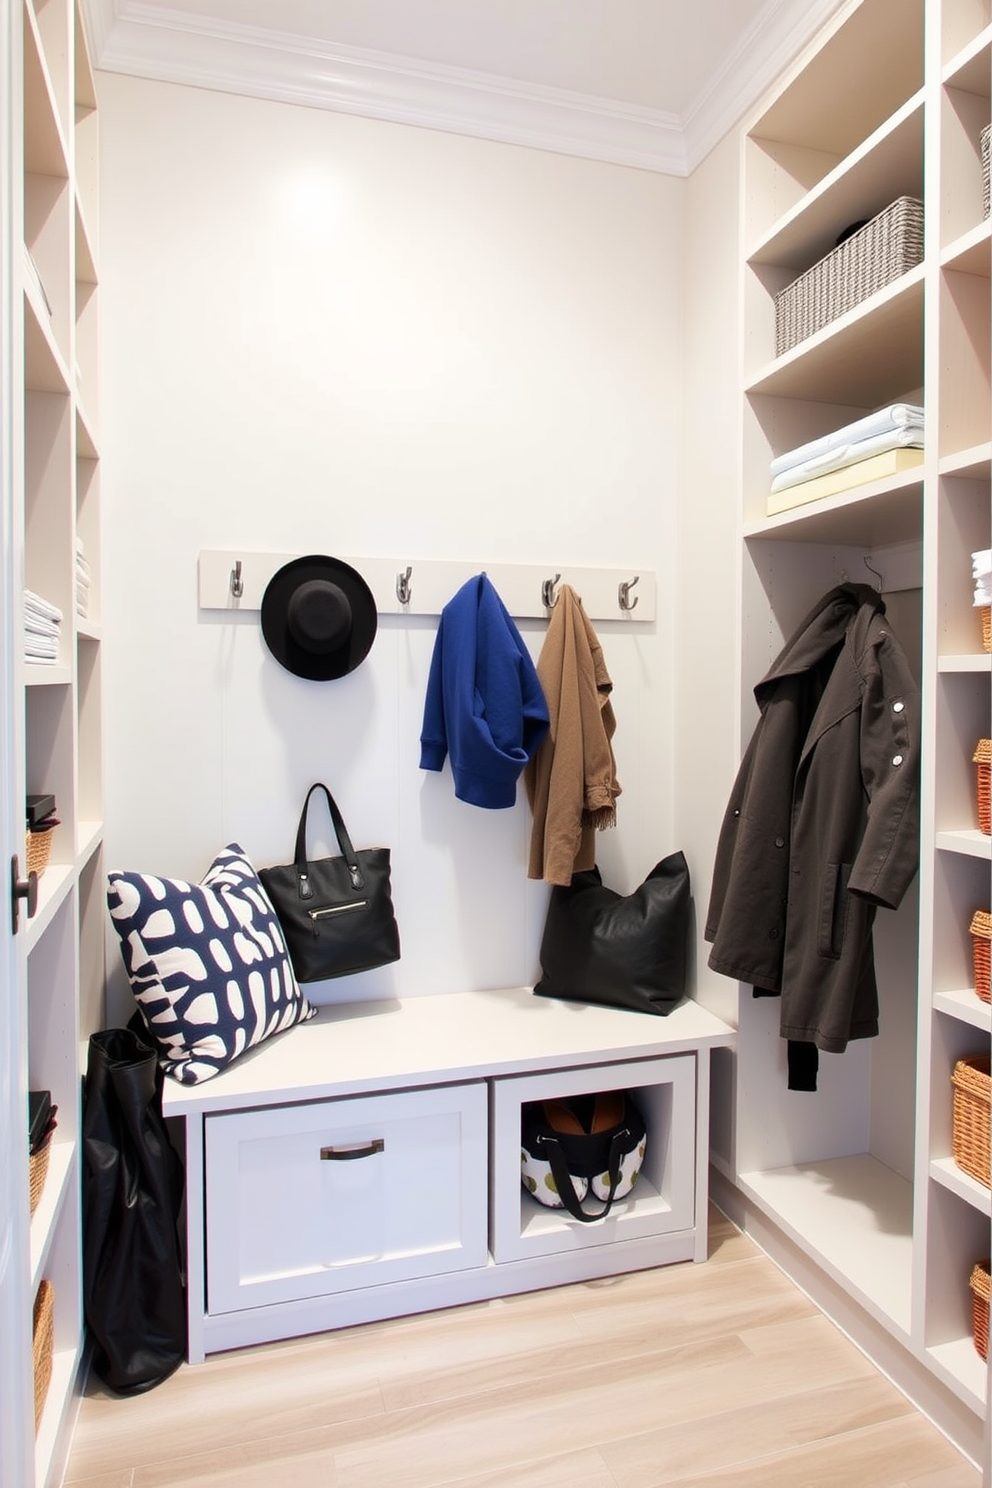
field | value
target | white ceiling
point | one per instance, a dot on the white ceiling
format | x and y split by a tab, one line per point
649	83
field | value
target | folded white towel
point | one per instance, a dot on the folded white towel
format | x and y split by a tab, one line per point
34	604
895	416
41	628
911	437
40	652
981	562
983	595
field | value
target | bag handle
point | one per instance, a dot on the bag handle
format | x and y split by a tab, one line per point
340	832
563	1178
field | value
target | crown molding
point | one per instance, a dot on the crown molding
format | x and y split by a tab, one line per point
151	41
777	35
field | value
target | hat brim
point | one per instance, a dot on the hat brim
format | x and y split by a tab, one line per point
318	667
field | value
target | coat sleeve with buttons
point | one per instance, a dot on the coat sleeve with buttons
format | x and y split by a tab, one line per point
890	766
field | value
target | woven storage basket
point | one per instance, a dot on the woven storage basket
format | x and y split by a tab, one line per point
986	165
39	850
981	940
889	245
981	933
982	757
38	1172
44	1346
980	1307
971	1117
986	614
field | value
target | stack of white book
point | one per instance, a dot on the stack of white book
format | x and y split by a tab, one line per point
41	629
83	579
880	444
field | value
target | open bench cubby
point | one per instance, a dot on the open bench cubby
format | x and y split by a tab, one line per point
367	1164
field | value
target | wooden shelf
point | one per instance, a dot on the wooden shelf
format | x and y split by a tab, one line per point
971	253
970	464
945	1171
870	356
892	1226
887	165
867	516
971	69
966	1006
53	491
967	840
855	1217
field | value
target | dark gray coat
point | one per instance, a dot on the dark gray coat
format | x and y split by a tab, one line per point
822	826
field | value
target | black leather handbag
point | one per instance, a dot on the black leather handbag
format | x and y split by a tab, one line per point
134	1292
336	913
627	951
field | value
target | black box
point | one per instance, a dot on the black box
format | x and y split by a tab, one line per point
39	1114
39	807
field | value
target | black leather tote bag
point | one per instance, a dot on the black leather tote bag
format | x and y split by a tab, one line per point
336	913
626	951
133	1286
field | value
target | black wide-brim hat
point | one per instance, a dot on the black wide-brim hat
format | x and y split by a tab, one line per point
318	617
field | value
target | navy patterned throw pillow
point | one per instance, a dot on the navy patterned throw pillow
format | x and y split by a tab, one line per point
207	964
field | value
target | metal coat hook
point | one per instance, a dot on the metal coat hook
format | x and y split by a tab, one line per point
548	596
875	572
623	594
403	586
237	582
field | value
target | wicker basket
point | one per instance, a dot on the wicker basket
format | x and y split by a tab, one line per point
980	1307
986	163
889	245
38	850
982	757
44	1346
38	1171
986	614
981	933
971	1117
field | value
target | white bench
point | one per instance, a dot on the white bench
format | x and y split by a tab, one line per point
367	1164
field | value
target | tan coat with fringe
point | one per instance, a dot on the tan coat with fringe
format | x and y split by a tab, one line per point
571	782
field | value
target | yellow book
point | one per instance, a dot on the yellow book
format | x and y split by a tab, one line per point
875	467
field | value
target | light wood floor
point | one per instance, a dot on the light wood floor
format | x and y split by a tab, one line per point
721	1374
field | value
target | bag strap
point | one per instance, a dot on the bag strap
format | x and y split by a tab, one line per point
340	832
563	1178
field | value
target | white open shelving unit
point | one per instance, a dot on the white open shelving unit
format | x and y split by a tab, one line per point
58	743
854	1188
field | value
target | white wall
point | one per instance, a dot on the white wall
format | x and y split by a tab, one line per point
707	686
325	333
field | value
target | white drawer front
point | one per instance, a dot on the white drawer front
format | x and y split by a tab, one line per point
313	1199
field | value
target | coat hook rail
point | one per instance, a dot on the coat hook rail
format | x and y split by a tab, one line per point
623	594
235	580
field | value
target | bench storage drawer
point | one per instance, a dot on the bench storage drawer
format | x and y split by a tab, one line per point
328	1196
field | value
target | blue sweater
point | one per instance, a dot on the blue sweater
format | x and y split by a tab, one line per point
484	705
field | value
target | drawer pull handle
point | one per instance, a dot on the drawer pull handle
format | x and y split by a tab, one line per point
347	1154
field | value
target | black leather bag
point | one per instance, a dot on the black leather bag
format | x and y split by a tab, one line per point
132	1191
336	913
625	951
